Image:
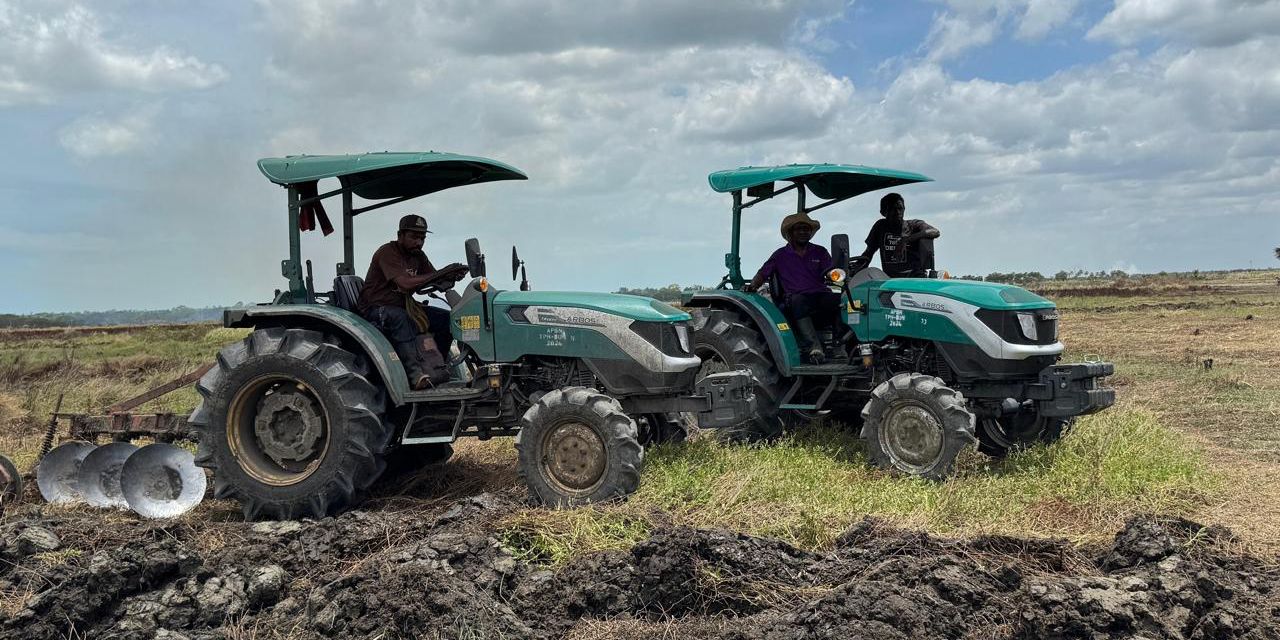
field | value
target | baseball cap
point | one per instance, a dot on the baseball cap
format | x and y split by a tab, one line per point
414	222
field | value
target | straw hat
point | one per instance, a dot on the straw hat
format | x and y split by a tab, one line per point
795	219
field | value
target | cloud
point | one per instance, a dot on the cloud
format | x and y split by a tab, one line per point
970	24
1210	23
54	48
98	135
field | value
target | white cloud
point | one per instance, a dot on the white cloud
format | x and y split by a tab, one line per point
1211	23
98	135
53	47
970	24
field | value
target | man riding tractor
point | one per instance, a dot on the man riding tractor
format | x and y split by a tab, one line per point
420	333
905	246
799	268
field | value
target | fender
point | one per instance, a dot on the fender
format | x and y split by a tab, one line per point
767	318
333	320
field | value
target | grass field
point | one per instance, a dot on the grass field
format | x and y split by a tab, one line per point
1183	439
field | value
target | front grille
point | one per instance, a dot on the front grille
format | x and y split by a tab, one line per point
1009	327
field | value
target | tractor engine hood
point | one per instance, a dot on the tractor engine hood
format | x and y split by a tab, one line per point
626	306
986	295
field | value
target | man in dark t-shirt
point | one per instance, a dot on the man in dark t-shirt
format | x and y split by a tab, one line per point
398	269
898	240
801	267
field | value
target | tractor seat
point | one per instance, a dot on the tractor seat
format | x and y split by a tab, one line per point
867	274
346	292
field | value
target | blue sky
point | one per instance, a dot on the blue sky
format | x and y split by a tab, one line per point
1062	135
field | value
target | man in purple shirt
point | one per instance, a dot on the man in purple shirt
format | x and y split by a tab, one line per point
801	268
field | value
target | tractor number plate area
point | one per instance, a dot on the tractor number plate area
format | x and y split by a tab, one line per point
730	396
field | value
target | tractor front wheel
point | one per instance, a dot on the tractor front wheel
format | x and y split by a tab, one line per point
290	425
916	425
576	446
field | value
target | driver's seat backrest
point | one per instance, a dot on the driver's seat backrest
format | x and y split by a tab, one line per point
346	292
776	294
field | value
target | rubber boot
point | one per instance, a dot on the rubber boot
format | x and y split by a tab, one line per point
810	347
412	361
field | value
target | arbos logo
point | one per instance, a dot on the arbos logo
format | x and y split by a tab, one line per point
924	305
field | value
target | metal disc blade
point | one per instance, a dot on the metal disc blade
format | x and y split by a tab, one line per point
58	475
100	475
162	481
10	482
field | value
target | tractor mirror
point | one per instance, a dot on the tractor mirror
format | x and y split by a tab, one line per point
475	259
515	263
840	251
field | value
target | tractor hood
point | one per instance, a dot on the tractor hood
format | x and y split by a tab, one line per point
987	295
632	307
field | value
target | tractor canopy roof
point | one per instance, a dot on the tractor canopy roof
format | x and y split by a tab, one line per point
389	174
826	181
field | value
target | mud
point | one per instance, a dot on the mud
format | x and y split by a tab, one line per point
443	572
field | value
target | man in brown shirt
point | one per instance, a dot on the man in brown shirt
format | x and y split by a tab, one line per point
398	269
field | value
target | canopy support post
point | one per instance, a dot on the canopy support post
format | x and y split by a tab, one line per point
348	266
291	269
733	259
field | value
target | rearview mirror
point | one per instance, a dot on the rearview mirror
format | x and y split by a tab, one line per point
840	251
475	259
515	263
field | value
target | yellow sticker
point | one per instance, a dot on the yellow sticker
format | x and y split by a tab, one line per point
848	307
469	322
782	326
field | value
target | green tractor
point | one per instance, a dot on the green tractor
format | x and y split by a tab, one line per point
937	364
304	414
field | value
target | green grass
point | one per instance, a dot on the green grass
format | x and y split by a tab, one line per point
809	488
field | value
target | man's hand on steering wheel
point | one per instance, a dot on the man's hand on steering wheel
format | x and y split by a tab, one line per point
444	279
858	263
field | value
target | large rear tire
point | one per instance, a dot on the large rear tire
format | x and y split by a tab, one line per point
577	447
290	425
916	425
727	342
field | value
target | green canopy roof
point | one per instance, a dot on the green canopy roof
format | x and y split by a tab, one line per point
390	174
825	181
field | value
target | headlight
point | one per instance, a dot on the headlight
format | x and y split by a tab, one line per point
682	334
1027	322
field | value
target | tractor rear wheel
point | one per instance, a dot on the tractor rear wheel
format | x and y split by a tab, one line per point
576	447
916	425
726	342
290	425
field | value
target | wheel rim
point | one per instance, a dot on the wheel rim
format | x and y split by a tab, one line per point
912	436
277	430
574	458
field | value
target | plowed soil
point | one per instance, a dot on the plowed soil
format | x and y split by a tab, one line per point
444	573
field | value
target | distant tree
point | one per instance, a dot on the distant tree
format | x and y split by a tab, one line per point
1277	253
1061	275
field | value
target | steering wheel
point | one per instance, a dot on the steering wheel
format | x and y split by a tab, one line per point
443	279
858	263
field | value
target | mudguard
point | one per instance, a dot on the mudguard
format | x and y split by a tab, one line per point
766	316
332	320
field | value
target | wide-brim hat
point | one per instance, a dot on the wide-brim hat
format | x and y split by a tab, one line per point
795	219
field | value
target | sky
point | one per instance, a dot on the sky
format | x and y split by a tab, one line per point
1061	134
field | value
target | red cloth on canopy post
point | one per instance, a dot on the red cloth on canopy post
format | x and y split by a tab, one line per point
312	211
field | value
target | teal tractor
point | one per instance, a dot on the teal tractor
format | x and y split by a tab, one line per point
304	414
937	364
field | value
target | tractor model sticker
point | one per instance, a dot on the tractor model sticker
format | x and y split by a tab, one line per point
923	305
895	317
782	326
554	337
